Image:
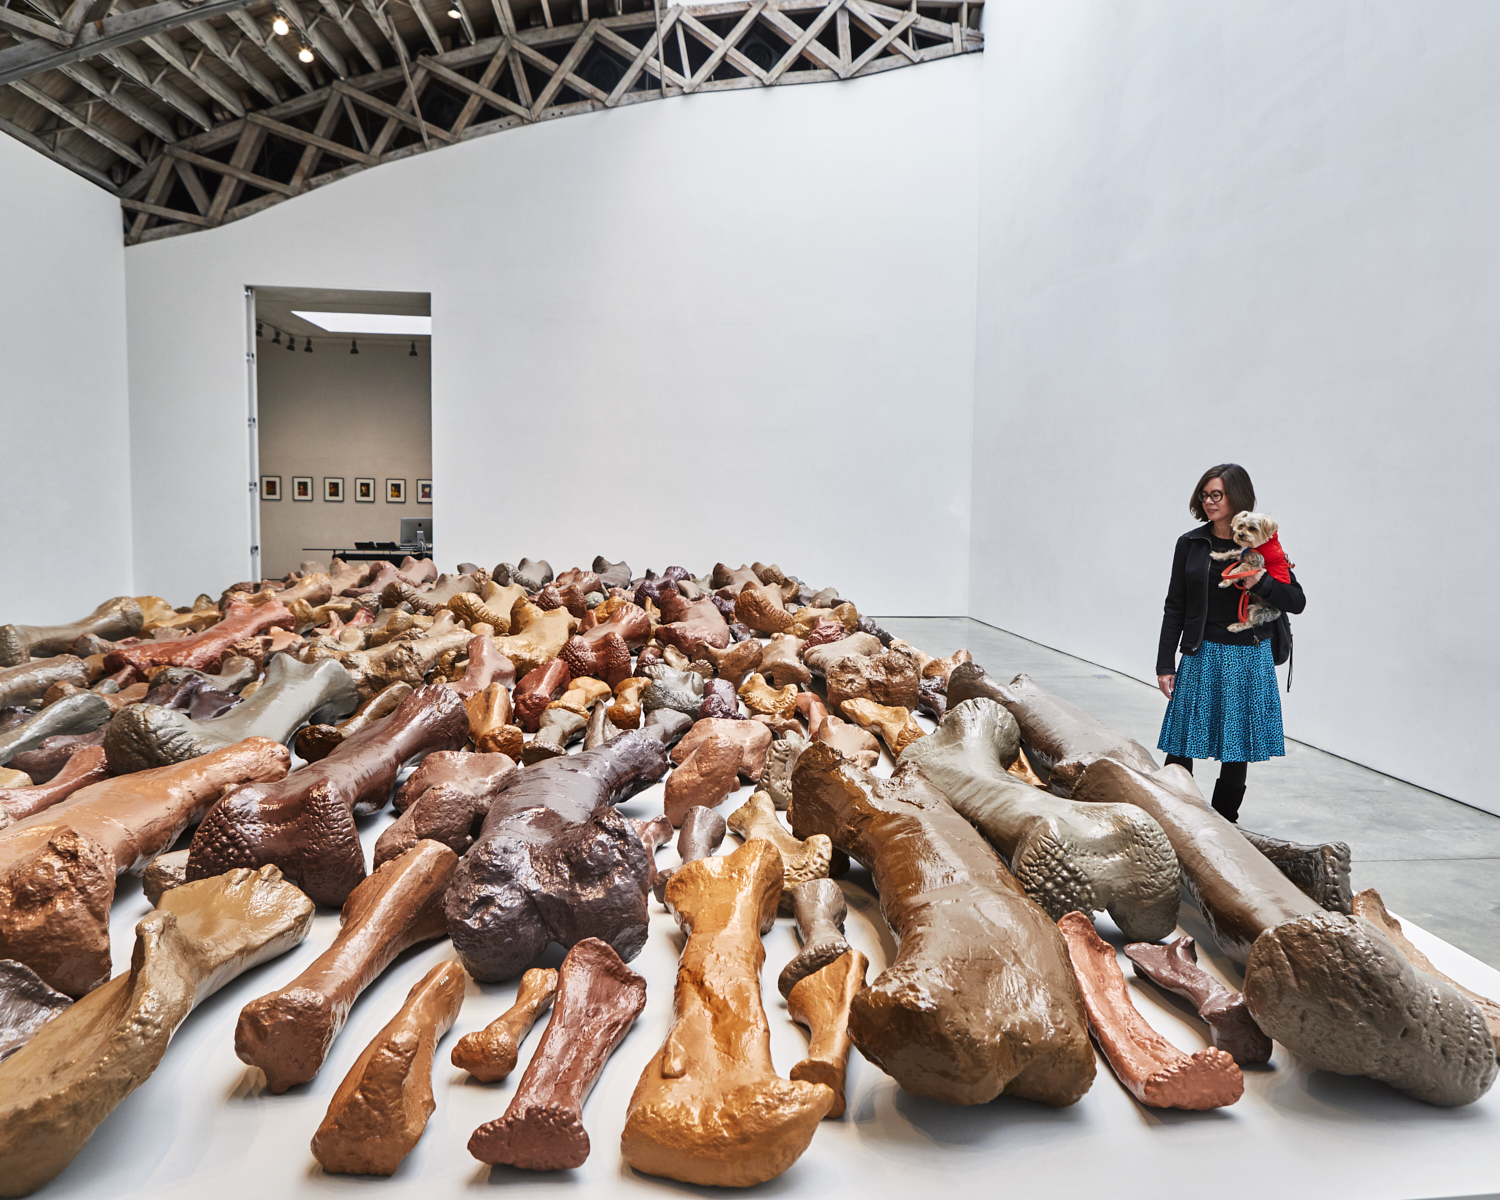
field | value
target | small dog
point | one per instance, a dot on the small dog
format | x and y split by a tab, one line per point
1260	550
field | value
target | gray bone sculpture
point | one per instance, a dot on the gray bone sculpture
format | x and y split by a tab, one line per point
82	712
1067	856
674	689
781	761
702	831
1321	872
114	619
147	735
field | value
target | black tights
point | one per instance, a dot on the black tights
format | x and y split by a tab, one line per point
1230	772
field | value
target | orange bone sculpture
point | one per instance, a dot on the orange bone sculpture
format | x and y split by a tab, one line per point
1153	1070
490	1054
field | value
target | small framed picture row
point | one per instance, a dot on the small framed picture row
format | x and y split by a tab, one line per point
333	489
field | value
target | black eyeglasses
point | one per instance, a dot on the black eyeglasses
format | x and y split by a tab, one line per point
1211	497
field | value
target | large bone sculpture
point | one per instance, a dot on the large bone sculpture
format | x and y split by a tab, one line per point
1321	872
204	650
598	999
709	1108
150	735
1331	988
445	799
1067	856
30	681
81	712
81	1064
1153	1070
83	768
305	822
554	861
112	620
58	868
287	1033
1065	737
981	998
822	1001
1174	968
490	1053
379	1112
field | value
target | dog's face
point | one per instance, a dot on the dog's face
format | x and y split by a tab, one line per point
1252	529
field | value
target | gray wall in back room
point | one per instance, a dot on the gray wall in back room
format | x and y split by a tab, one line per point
332	413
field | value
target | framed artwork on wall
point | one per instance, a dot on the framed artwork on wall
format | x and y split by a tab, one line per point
424	491
270	487
364	491
395	491
333	488
302	487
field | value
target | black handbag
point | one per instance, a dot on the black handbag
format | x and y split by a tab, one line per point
1281	645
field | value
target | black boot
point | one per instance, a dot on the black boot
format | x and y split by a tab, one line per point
1227	798
1176	760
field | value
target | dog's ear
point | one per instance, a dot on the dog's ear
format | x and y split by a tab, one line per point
1268	526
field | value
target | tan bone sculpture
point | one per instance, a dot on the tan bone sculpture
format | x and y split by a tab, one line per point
801	860
821	1001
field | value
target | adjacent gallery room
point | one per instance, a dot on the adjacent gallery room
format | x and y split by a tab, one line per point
613	597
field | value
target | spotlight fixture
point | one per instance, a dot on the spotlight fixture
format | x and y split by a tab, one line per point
305	54
413	352
307	345
353	345
279	26
276	341
260	329
454	13
291	342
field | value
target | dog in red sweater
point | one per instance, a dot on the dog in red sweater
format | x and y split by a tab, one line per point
1259	550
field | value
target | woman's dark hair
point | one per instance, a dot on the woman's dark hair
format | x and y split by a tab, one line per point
1237	487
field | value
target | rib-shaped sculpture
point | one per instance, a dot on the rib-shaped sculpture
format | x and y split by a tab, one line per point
1332	989
82	712
58	868
204	650
801	860
83	768
305	822
819	908
709	1108
114	619
1174	968
980	999
598	999
490	1053
821	1001
554	861
150	735
1066	738
379	1112
1152	1070
1066	855
26	1004
287	1033
64	1082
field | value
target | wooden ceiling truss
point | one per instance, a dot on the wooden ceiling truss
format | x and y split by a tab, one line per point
197	114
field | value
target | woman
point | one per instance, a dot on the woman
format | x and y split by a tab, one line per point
1222	700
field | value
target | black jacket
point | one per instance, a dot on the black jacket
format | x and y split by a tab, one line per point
1186	609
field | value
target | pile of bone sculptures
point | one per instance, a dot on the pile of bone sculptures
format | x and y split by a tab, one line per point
229	751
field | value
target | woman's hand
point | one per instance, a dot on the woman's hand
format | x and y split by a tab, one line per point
1166	683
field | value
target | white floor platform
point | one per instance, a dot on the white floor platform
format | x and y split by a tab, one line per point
204	1127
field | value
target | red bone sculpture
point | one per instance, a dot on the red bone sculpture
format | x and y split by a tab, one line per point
84	768
204	650
305	823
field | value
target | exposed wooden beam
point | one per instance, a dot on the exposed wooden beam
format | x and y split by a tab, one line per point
156	210
463	19
272	49
57	155
155	194
230	169
31	27
122	101
245	150
311	152
172	53
428	27
125	61
189	176
301	136
720	46
105	139
391	113
248	71
17	62
478	91
309	29
356	36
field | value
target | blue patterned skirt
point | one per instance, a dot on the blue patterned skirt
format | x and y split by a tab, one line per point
1225	705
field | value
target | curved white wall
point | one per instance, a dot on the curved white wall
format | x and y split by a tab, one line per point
729	326
1265	232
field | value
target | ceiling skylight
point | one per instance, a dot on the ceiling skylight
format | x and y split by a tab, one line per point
369	323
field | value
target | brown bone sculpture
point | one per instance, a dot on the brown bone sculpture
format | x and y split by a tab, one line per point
1152	1070
1066	737
319	741
30	681
704	778
752	739
450	803
118	618
63	1083
490	1054
981	998
819	908
709	1108
1066	855
1333	989
781	761
555	861
1321	872
305	823
58	868
204	650
151	735
83	768
490	724
702	831
538	638
558	729
287	1033
1174	968
760	697
538	689
26	1004
821	1001
802	860
598	999
377	1116
889	678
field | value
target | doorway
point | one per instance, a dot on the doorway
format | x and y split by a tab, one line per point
342	407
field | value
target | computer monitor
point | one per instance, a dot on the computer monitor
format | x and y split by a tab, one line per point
410	527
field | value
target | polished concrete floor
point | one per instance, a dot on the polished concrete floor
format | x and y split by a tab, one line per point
1433	860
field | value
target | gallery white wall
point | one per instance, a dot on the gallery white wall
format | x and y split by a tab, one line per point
1265	232
730	326
64	406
